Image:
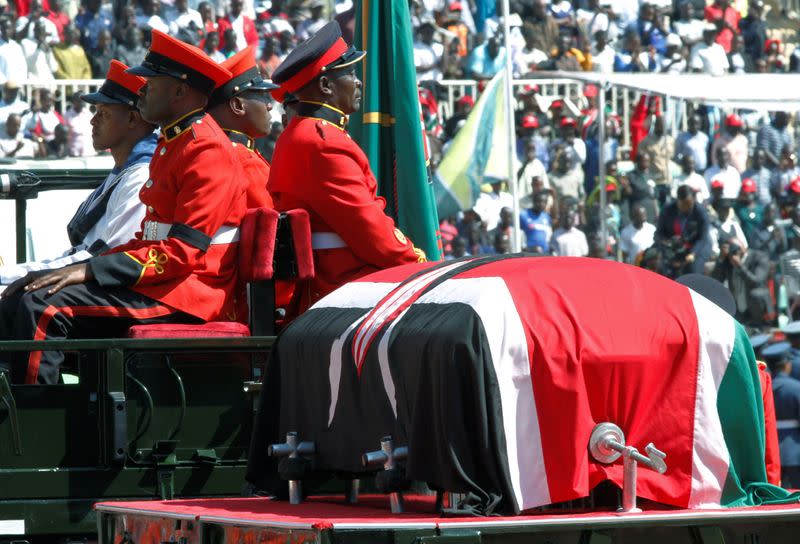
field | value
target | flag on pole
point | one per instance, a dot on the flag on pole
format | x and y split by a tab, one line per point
479	151
389	125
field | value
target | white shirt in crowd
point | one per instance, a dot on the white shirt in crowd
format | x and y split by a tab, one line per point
593	21
693	180
178	21
427	55
13	64
50	28
8	145
690	31
603	61
569	243
730	178
709	59
488	207
153	22
79	136
633	241
18	106
41	64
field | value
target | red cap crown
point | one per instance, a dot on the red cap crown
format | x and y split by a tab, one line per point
568	122
794	186
241	62
717	183
116	73
171	57
590	91
530	121
734	120
749	185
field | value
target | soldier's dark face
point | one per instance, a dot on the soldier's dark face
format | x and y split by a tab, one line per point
257	108
155	99
346	90
109	125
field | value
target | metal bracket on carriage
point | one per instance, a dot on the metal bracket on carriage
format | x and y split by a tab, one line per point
607	444
392	478
293	466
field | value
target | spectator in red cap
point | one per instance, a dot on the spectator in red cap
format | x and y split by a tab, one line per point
783	178
734	140
528	130
725	172
748	210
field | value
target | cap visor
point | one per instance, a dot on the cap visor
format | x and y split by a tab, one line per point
263	85
100	98
142	72
350	58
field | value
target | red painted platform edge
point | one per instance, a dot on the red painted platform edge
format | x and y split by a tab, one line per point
328	512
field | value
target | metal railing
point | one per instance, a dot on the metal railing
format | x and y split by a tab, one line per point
622	101
62	89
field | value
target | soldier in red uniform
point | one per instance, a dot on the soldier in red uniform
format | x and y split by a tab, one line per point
181	267
317	167
241	107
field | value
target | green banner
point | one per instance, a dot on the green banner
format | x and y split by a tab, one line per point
389	125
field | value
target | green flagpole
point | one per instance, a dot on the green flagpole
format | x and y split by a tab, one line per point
389	126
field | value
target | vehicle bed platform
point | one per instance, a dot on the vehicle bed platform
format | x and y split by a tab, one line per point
330	519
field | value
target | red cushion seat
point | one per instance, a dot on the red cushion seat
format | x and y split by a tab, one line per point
212	329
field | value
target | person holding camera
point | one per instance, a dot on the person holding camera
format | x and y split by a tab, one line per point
682	233
745	271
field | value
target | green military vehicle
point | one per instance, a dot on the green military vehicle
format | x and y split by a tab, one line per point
132	418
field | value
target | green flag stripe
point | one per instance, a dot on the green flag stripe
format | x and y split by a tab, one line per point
741	410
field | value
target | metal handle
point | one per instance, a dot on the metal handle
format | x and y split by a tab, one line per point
181	397
148	413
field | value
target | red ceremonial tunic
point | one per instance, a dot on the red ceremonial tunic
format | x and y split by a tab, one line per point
256	170
197	187
772	456
318	167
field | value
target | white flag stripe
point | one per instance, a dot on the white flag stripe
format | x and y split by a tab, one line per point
509	348
356	295
710	457
335	368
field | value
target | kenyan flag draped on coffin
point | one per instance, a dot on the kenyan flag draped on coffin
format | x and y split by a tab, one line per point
494	371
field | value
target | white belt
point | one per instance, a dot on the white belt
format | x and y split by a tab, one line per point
326	240
154	230
784	424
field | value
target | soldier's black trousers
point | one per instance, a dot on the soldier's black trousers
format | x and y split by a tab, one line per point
79	311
